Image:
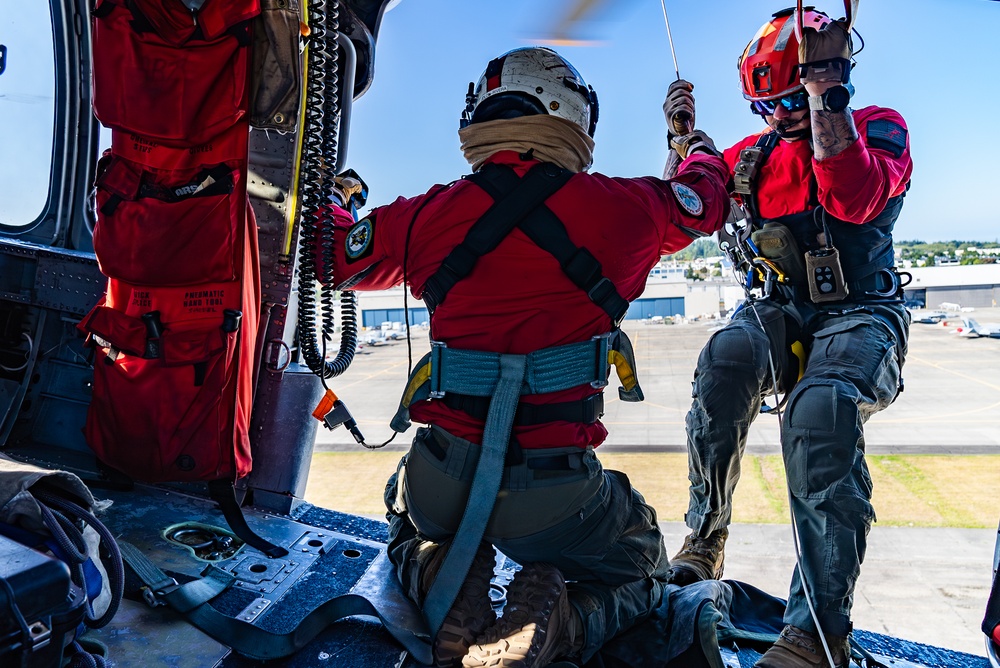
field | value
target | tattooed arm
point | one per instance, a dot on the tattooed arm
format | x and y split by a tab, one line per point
832	132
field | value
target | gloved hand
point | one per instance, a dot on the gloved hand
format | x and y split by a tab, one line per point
678	108
694	142
825	55
351	189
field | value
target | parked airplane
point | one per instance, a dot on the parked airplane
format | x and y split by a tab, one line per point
971	329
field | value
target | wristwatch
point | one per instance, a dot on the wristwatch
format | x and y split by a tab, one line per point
832	99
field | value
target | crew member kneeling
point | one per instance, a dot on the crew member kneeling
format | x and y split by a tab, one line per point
527	267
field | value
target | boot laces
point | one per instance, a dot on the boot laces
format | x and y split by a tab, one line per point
704	547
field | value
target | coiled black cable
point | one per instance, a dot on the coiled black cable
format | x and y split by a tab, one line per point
316	238
310	178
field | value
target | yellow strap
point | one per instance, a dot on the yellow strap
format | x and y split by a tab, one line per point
800	352
625	373
419	377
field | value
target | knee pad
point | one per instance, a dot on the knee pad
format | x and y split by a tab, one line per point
730	373
822	432
735	346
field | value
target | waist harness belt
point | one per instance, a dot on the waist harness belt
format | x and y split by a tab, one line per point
499	378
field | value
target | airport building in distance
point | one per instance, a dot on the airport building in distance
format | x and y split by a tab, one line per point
669	293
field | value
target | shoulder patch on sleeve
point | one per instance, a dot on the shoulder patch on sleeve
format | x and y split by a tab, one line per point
360	240
688	199
886	135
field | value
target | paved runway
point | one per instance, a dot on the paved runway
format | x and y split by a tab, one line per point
949	405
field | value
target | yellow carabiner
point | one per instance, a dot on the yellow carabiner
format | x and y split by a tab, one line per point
773	268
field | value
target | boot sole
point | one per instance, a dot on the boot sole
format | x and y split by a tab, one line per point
530	631
470	615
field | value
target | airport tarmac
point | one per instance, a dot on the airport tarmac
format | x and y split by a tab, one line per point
949	405
928	585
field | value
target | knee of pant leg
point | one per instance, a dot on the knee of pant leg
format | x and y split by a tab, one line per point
735	345
822	436
730	372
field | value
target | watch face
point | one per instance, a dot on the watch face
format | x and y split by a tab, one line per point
836	98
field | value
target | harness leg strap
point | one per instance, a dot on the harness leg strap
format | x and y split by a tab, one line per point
482	495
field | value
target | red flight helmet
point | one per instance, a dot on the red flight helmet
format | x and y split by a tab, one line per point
769	66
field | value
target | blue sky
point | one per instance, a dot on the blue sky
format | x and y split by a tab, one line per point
933	61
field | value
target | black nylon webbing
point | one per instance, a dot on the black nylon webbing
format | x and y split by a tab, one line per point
223	493
545	229
766	143
191	600
493	227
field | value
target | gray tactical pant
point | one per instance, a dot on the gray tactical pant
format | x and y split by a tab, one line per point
852	371
589	523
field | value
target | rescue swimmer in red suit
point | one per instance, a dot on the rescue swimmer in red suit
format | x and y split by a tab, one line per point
527	267
824	186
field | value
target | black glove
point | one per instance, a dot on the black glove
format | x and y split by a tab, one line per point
351	189
694	142
678	108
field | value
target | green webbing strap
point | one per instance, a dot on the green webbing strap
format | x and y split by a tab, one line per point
191	600
475	373
482	495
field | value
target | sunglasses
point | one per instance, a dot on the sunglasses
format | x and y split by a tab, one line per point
795	102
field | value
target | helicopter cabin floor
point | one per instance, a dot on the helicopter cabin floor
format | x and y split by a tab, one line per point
332	553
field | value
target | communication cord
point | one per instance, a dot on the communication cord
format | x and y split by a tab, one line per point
315	237
795	527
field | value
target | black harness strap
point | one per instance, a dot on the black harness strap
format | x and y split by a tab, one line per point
493	227
223	493
585	411
545	229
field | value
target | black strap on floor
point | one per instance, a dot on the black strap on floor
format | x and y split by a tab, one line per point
192	600
493	227
223	493
545	229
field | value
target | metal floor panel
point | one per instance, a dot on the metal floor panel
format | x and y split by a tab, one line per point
272	594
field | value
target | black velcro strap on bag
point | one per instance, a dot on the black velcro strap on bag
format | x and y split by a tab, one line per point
585	411
545	229
494	226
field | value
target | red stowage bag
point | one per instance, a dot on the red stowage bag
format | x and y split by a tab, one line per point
165	398
167	227
161	73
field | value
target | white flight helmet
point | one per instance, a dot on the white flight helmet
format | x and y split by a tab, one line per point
531	80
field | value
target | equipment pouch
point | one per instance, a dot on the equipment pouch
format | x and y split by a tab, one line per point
161	75
276	68
169	418
825	276
167	227
776	243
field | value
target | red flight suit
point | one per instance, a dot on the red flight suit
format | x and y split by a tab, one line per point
517	298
